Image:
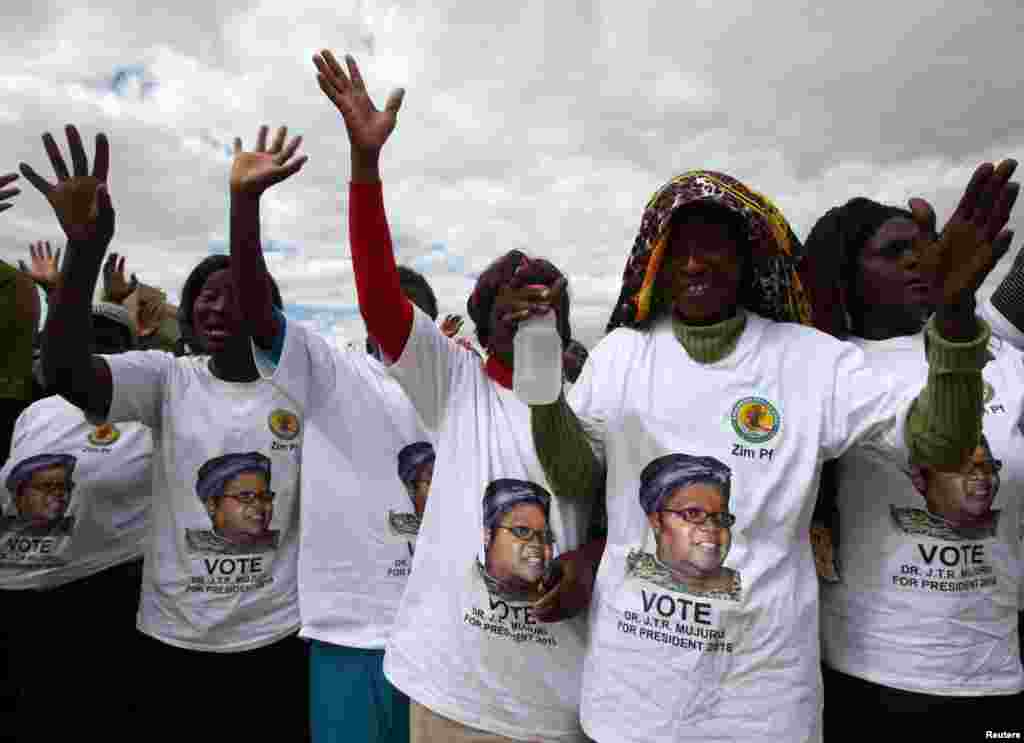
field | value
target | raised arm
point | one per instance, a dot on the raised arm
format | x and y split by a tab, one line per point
386	310
82	205
117	288
44	267
252	173
944	423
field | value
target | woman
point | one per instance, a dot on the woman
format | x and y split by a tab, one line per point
209	615
921	626
472	657
74	516
705	357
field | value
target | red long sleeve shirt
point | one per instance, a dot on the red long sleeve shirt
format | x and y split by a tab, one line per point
386	310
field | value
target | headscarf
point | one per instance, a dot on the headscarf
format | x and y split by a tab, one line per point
499	274
664	475
217	472
830	257
506	493
22	472
774	289
411	458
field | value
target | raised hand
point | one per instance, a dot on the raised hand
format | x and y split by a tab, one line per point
973	240
451	325
254	172
45	268
80	201
7	193
115	287
368	128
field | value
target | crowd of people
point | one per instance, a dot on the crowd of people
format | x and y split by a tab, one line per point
778	501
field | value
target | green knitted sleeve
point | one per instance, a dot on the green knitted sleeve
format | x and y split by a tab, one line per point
944	422
565	451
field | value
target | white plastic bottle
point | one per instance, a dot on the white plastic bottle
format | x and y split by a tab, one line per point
537	362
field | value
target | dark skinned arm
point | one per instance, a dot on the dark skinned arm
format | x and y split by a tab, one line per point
82	205
252	173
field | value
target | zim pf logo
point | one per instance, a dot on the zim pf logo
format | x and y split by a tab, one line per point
104	435
284	424
755	420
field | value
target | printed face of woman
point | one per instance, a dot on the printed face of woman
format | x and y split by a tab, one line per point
966	496
45	497
513	557
242	514
420	489
690	549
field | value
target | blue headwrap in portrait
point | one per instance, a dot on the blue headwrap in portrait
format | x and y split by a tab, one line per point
217	472
503	494
665	474
411	457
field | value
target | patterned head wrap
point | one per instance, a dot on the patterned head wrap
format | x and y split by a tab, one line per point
774	289
664	475
217	472
506	493
22	472
411	457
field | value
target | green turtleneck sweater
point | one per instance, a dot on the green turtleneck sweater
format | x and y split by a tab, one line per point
943	425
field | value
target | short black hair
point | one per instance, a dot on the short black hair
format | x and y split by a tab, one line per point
416	287
194	285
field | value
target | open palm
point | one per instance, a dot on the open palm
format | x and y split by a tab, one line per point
79	200
253	172
974	238
368	127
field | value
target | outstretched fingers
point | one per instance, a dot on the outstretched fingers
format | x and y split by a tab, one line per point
56	159
279	138
288	152
79	163
261	139
101	162
333	70
999	214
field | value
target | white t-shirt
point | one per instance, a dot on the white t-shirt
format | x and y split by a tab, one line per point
101	517
1006	330
359	525
220	573
464	645
921	604
733	652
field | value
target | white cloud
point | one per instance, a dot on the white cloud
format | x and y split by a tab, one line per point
538	126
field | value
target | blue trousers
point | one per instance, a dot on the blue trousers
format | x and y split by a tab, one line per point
350	699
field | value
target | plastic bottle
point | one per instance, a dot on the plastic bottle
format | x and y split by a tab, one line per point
537	362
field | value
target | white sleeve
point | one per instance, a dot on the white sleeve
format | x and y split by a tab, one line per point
304	372
427	367
1001	327
138	379
869	407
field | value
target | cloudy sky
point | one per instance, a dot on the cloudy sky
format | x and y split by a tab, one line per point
542	126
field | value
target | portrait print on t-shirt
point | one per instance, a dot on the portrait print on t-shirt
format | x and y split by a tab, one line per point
958	505
686	500
518	545
416	471
235	490
37	510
